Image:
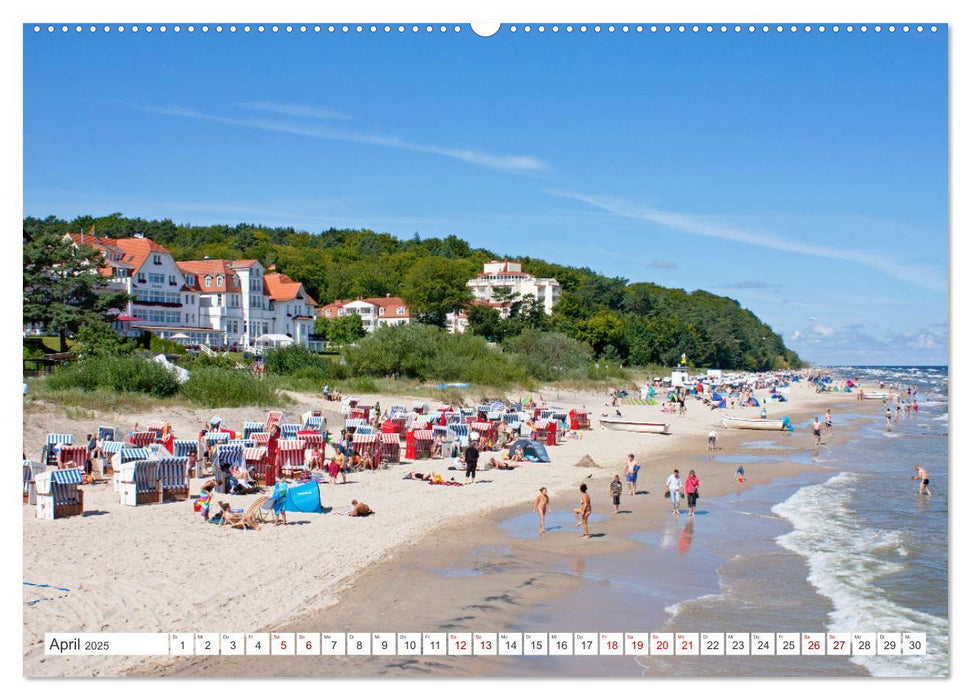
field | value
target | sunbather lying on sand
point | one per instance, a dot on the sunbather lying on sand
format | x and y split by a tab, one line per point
499	464
360	509
419	476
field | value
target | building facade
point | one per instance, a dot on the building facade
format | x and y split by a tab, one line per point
502	280
375	312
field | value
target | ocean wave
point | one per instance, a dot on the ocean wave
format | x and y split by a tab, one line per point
845	560
679	607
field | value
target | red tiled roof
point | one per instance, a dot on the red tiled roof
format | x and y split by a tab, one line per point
281	287
136	250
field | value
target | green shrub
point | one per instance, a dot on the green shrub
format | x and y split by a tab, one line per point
165	346
122	374
296	360
215	387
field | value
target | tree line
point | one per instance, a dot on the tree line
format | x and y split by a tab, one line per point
637	323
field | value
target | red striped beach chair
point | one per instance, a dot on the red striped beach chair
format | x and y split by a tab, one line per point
255	458
143	438
173	479
260	438
368	445
52	445
391	448
291	457
72	453
423	443
272	418
58	495
311	438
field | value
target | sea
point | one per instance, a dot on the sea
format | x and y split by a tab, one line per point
851	548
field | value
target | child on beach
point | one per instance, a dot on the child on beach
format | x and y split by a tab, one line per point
541	506
740	475
583	512
616	488
632	468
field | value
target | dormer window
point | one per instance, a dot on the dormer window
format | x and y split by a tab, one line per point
219	280
402	311
157	259
327	312
381	311
208	280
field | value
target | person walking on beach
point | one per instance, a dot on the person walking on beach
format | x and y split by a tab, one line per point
583	512
632	468
829	421
712	439
817	430
691	491
616	488
925	481
674	491
889	418
542	506
471	460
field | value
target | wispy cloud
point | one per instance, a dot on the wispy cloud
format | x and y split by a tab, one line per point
510	163
292	110
659	264
856	344
919	275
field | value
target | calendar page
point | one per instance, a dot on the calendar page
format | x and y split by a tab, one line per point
427	349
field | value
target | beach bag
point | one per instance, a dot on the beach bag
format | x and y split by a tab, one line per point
667	493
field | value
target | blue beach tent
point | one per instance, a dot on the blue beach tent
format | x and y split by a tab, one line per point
296	498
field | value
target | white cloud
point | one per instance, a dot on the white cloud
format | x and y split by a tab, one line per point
510	163
922	276
292	110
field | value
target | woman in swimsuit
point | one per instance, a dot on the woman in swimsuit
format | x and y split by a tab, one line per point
542	505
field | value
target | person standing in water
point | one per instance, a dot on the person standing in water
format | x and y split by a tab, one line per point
889	418
925	481
691	490
829	421
632	468
542	506
583	512
817	430
674	491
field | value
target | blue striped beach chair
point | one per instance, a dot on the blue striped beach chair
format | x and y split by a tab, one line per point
133	454
228	455
145	479
288	431
64	497
28	480
365	430
250	427
313	423
215	437
545	414
106	433
493	416
51	445
354	423
173	480
185	448
458	433
419	407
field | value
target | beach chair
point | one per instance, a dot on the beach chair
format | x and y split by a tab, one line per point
155	426
229	454
391	448
107	433
109	448
58	495
139	483
272	418
260	438
215	437
143	438
423	443
31	470
126	455
173	479
51	446
419	407
240	520
368	444
190	450
311	438
255	459
458	434
291	457
315	423
250	427
72	453
288	431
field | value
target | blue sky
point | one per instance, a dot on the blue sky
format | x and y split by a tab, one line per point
803	174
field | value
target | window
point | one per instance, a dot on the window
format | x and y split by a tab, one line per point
381	311
341	312
219	300
172	279
208	280
190	280
141	277
219	280
157	259
402	311
156	279
327	312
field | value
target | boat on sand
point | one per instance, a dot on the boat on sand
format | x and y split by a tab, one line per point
635	426
755	423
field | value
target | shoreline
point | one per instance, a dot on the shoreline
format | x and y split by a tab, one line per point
331	593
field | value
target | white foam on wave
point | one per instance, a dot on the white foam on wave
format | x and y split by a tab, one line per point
845	558
943	417
678	608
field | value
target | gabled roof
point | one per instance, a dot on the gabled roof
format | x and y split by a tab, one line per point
280	287
212	268
136	250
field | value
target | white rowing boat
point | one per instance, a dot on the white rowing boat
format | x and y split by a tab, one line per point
753	423
635	426
876	395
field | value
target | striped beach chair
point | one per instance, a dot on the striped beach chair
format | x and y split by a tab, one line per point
109	448
458	433
58	495
52	445
419	407
185	448
255	459
250	427
272	418
125	456
28	479
354	423
173	479
391	448
485	429
227	455
260	438
368	444
143	438
292	457
545	414
364	430
288	431
72	453
107	433
423	443
494	416
155	426
311	438
139	482
215	437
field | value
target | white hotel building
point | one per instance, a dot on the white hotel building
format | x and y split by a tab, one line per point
508	274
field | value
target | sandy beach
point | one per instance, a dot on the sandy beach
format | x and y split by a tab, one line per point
162	568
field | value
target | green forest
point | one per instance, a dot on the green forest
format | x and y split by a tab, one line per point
636	323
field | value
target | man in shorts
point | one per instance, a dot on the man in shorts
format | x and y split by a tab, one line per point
632	468
471	460
616	488
925	481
